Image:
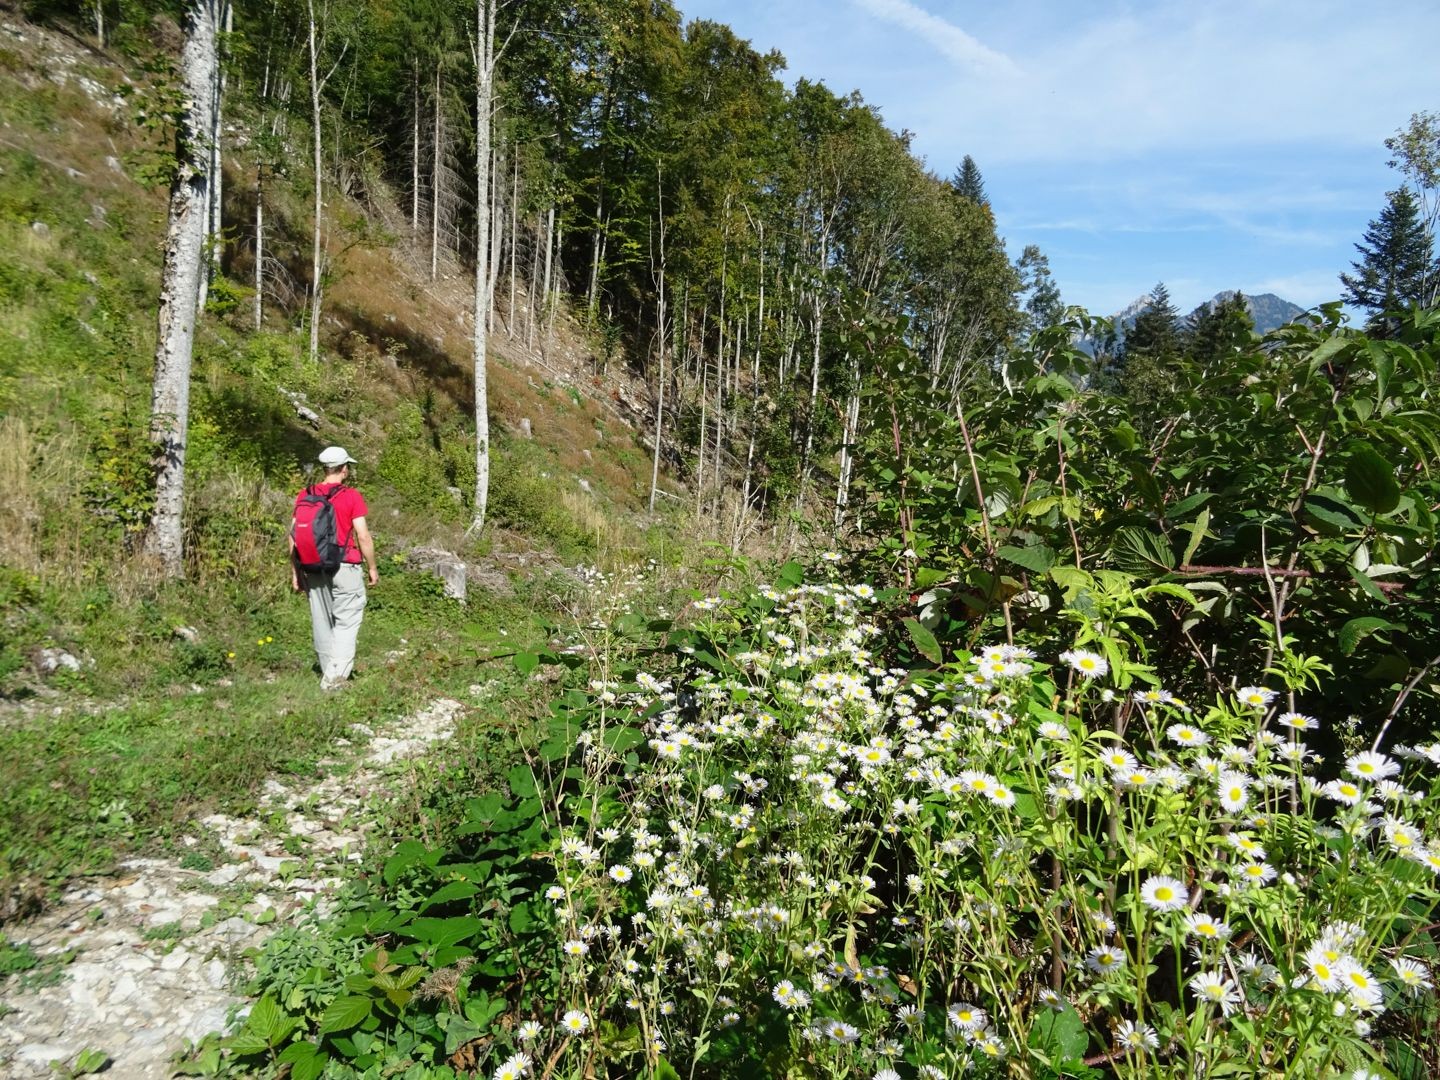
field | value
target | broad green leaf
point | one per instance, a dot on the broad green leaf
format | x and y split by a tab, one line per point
1370	479
1061	1034
344	1013
1357	630
436	933
1038	559
265	1018
526	662
456	890
924	641
522	781
1139	551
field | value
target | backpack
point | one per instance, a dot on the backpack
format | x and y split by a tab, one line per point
317	540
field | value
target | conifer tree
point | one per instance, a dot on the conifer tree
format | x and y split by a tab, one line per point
1397	265
1218	328
1156	332
968	182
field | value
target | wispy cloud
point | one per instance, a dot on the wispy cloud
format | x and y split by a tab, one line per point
965	49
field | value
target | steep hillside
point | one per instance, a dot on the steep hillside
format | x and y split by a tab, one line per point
395	384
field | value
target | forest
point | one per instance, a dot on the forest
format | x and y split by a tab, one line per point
872	665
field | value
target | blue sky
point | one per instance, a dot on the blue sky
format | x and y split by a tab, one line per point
1211	144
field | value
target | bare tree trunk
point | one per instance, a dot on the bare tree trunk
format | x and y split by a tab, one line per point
514	239
259	245
435	157
315	255
545	292
754	388
847	456
553	300
497	229
663	341
180	285
484	92
700	457
415	162
596	254
99	8
534	283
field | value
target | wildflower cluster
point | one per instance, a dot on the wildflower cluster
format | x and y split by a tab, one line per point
785	846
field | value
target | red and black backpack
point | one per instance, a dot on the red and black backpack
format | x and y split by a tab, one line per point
317	535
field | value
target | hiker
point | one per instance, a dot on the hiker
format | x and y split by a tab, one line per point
328	540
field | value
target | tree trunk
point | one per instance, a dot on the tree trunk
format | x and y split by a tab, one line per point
497	230
553	301
514	239
415	163
484	91
435	186
180	276
315	254
259	245
661	338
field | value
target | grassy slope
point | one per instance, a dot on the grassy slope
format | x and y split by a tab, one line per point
154	729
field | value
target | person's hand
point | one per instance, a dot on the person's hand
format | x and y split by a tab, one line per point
374	576
295	580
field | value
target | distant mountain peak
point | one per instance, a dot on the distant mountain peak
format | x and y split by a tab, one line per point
1268	310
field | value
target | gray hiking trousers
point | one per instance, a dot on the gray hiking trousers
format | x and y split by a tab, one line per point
337	604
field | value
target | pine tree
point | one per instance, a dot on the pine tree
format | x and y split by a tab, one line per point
1156	332
1218	328
1397	266
967	182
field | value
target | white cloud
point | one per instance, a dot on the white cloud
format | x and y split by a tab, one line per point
945	36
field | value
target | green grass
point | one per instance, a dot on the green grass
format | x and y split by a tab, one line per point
80	789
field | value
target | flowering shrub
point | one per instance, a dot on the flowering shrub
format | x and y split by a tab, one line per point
779	856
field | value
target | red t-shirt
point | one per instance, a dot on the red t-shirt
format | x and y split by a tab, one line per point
348	505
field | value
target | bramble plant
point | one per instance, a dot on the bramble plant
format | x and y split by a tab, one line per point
814	863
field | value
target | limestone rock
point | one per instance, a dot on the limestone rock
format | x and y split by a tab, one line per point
445	565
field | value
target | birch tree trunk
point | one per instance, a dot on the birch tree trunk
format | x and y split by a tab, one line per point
497	228
415	162
484	92
259	245
662	338
435	186
180	278
315	260
514	240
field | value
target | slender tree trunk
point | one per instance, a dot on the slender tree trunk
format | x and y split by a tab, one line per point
549	240
535	282
415	162
316	266
435	159
259	245
514	238
700	456
847	457
662	338
596	254
180	276
817	310
484	92
552	302
754	388
497	228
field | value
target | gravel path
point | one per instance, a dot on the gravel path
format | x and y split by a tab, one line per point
144	962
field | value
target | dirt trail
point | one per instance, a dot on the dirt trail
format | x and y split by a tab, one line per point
158	951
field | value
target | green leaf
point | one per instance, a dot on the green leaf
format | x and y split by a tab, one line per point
344	1013
1330	514
1197	534
526	662
924	641
1370	479
436	933
1139	551
1357	630
245	1043
665	1071
1368	587
265	1018
1038	558
456	890
1061	1034
522	781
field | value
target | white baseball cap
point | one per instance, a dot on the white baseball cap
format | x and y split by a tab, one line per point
335	456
